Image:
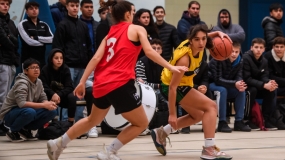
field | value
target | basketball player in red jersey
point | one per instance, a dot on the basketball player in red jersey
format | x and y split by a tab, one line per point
114	64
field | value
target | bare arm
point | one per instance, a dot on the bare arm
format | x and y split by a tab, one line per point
94	61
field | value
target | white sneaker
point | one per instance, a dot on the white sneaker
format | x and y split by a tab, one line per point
54	148
93	133
106	155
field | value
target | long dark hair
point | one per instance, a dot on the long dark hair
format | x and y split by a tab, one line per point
118	9
151	26
203	28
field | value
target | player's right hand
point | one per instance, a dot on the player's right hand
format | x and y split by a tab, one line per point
79	91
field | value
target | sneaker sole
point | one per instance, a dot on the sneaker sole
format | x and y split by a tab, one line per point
158	146
93	136
15	141
28	139
215	158
49	153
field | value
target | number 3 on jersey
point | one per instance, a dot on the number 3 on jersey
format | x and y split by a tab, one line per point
110	44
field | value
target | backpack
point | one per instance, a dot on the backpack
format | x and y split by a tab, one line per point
54	130
257	117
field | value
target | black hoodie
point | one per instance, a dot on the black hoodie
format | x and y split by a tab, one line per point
56	81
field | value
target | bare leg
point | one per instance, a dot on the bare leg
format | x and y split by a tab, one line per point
85	124
196	103
139	122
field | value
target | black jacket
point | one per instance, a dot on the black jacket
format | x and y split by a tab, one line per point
94	28
36	46
276	68
222	73
168	35
102	31
8	41
72	37
272	29
255	72
202	77
56	81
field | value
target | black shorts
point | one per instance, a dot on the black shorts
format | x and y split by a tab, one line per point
123	99
181	92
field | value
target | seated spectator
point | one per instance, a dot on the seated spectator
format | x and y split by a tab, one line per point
226	78
58	86
256	76
147	71
26	106
93	133
276	64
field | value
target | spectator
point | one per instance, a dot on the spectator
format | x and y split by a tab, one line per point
189	18
272	25
256	76
276	64
103	11
167	33
26	107
72	37
224	24
34	34
9	57
58	11
57	83
147	71
144	18
87	12
226	77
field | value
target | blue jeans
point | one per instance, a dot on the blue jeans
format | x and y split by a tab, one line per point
76	74
229	93
28	118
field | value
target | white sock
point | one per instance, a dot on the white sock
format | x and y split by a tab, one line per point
209	142
65	140
115	146
168	129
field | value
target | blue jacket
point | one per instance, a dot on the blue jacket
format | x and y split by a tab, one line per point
184	25
58	12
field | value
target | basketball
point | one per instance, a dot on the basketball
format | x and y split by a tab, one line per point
222	49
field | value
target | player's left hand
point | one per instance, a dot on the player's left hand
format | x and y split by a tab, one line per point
223	35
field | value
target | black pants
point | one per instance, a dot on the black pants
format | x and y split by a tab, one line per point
89	99
69	102
209	94
268	104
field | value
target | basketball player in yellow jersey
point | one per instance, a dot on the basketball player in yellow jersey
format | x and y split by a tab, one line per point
178	89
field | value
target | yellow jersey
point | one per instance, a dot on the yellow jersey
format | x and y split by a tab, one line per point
180	51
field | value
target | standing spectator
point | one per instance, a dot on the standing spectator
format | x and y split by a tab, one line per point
256	76
72	37
226	77
224	24
34	34
58	11
26	107
9	58
87	12
144	18
103	11
167	33
272	24
189	18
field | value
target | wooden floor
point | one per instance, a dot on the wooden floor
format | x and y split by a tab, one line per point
255	145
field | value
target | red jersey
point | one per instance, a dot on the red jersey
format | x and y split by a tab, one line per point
117	65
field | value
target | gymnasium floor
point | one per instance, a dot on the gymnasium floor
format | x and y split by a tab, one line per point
255	145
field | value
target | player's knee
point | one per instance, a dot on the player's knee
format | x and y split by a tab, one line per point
144	124
212	106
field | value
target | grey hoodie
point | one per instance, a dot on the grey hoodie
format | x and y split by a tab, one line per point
23	91
234	31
